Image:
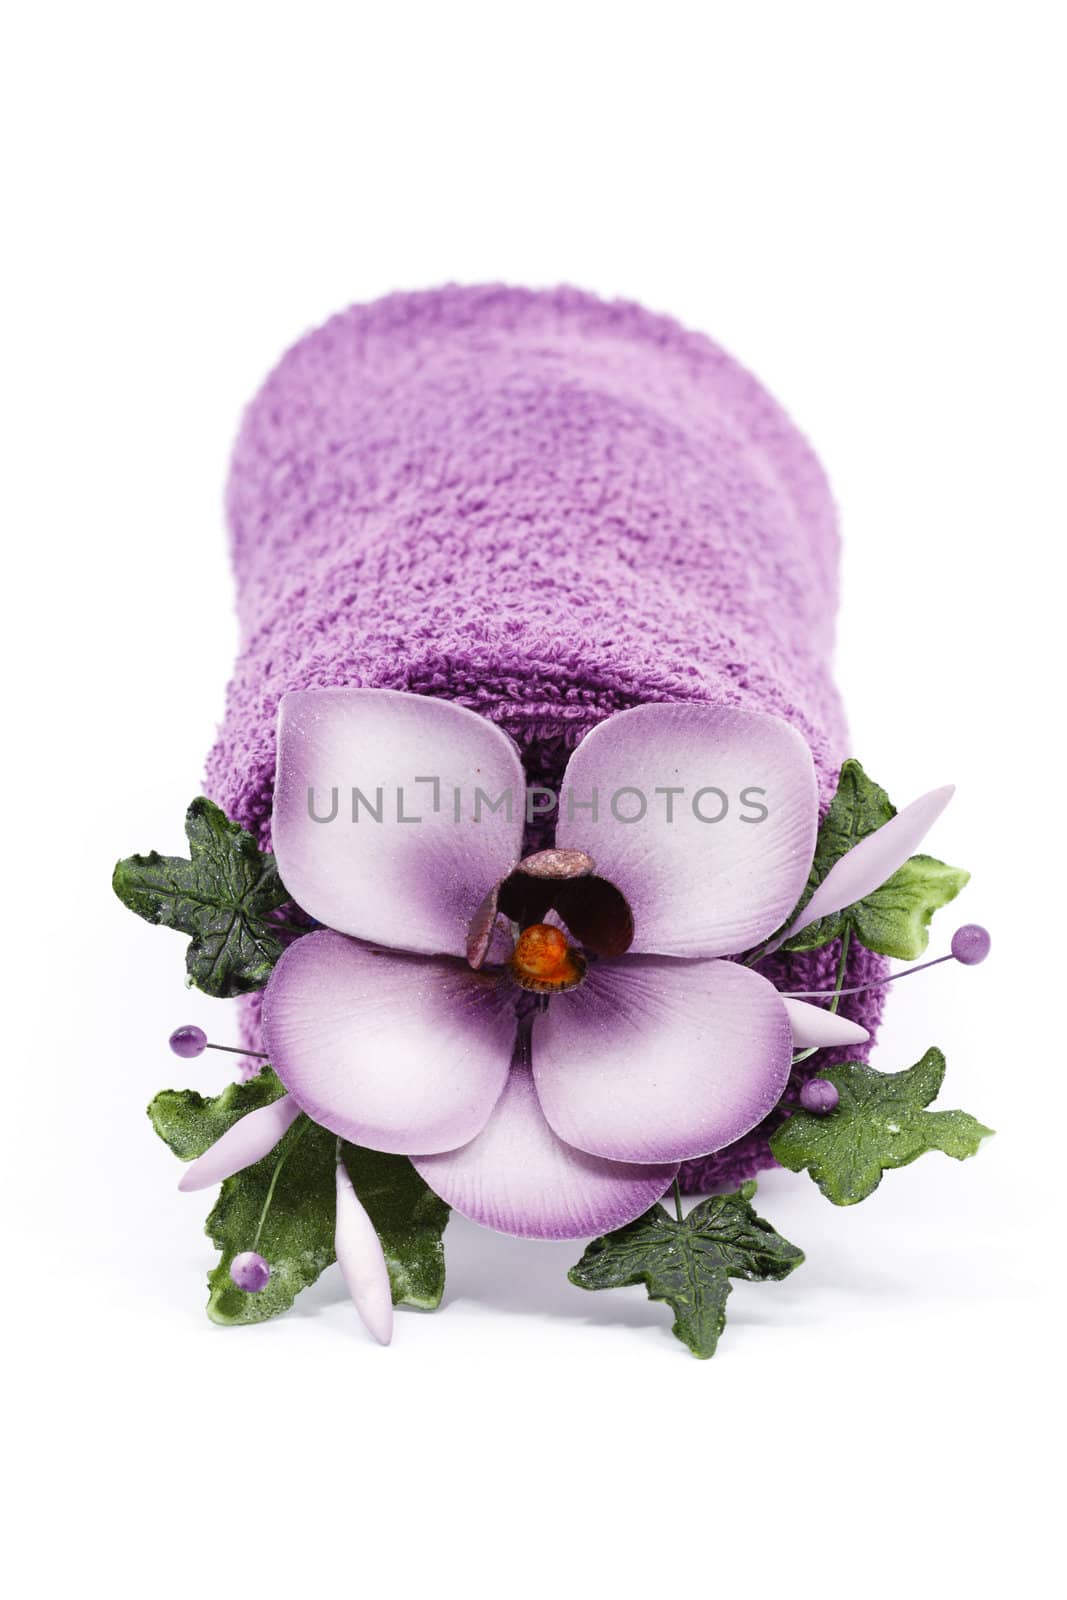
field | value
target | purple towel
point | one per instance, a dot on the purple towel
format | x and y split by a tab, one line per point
542	506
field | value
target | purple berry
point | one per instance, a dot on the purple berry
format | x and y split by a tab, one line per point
970	944
250	1272
188	1041
819	1096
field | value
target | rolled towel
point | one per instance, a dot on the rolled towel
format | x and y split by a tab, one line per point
547	508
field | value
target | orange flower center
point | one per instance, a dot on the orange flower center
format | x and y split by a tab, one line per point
544	961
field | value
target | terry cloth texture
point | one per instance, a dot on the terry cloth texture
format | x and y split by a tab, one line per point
544	507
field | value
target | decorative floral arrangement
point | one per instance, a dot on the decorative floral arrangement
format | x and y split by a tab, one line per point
539	1041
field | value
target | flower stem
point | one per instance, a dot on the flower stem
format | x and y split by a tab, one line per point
275	1175
842	962
839	978
862	988
679	1213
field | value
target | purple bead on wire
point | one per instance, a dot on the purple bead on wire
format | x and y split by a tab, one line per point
188	1041
250	1272
970	944
819	1097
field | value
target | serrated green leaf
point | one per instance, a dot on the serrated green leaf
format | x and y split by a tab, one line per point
880	1123
293	1190
689	1264
296	1237
859	807
221	896
409	1220
190	1123
894	919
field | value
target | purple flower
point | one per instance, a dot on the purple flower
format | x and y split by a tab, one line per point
685	834
547	1038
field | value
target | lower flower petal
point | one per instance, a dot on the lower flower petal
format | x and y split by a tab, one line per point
656	1059
395	1052
519	1178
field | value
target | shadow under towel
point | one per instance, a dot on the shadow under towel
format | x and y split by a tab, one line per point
547	508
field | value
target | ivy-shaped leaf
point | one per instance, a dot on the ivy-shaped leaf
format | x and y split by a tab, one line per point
292	1192
894	919
880	1123
859	807
409	1220
190	1123
689	1264
221	896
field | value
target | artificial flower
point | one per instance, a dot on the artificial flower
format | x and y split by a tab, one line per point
546	1039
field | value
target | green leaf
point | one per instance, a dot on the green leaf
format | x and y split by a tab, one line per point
293	1191
190	1123
689	1264
859	807
409	1219
221	896
879	1124
895	918
297	1235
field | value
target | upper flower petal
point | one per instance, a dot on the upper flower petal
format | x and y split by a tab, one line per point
696	886
654	1059
872	861
411	884
395	1052
518	1177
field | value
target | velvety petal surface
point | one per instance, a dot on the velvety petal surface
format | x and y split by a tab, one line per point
872	861
247	1142
814	1025
395	1052
696	887
362	1261
653	1059
413	879
519	1178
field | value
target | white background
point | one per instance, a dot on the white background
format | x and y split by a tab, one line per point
861	202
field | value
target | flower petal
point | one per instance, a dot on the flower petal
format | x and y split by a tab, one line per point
411	884
362	1261
247	1142
813	1025
518	1177
395	1052
872	861
696	887
654	1059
